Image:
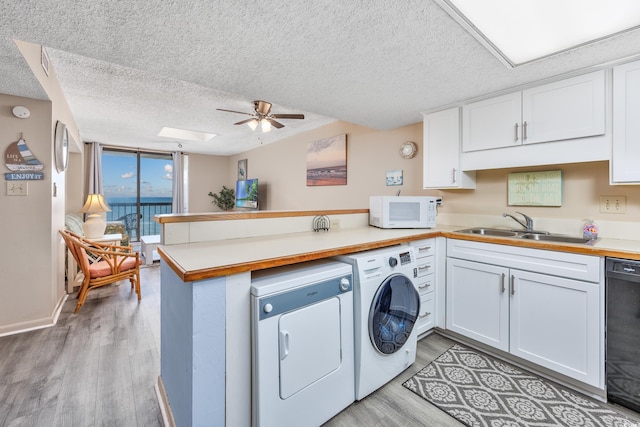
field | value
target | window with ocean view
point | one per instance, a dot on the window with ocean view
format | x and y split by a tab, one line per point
137	185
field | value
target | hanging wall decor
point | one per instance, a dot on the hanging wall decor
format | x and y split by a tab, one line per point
327	161
22	163
535	188
242	169
394	178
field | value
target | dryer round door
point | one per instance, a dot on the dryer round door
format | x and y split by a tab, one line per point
393	314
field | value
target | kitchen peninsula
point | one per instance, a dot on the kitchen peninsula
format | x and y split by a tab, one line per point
206	267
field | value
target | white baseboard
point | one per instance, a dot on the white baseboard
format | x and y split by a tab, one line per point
163	402
33	325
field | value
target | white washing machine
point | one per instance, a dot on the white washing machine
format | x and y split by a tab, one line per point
386	309
303	347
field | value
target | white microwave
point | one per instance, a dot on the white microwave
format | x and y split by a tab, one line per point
403	211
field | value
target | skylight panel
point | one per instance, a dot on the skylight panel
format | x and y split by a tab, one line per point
521	31
185	135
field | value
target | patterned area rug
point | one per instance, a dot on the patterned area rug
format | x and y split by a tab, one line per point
479	390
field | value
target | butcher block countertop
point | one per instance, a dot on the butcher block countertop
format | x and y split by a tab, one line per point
204	260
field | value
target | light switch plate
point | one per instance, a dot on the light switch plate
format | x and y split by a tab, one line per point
17	188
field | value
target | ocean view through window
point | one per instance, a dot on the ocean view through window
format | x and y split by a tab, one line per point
137	185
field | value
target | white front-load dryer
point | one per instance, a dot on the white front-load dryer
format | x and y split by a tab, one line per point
386	309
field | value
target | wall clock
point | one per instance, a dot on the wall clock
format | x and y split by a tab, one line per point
408	150
61	146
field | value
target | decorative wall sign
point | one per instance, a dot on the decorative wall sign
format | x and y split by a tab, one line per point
394	177
535	188
18	158
24	176
327	161
242	170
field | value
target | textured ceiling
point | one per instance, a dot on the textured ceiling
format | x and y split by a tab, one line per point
130	67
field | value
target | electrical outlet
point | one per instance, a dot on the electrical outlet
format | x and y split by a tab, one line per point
613	204
335	223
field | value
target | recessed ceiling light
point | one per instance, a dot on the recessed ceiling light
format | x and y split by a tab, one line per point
186	135
522	31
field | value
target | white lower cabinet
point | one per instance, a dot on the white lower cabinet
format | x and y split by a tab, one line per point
477	303
425	281
555	322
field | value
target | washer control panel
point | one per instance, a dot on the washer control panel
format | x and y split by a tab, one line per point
405	258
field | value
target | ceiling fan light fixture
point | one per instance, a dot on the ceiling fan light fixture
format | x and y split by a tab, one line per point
253	124
266	126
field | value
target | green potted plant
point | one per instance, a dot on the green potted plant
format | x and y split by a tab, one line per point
225	199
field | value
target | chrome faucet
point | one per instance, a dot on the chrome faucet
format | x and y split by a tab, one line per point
528	226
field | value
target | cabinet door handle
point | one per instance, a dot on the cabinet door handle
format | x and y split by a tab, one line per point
424	267
424	248
453	176
425	314
502	284
512	285
516	140
425	285
524	131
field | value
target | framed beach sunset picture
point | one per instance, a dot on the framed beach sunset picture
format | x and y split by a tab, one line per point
327	161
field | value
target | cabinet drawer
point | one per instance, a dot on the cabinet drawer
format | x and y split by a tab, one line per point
424	248
426	318
425	284
426	266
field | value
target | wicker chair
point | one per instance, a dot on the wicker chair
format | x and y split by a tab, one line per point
102	264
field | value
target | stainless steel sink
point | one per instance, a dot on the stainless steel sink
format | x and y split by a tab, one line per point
541	236
554	238
490	232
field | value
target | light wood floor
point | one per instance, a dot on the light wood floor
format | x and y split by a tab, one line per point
99	368
96	368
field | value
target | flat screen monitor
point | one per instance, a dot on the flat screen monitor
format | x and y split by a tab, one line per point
247	194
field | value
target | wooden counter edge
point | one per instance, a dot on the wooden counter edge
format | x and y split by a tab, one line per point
226	216
225	270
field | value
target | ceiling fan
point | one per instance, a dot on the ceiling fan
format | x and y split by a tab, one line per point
262	116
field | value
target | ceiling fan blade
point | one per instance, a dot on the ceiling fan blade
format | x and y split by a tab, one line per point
244	121
288	116
275	124
231	111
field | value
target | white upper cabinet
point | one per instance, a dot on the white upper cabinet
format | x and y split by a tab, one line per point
567	121
625	156
442	152
567	109
492	123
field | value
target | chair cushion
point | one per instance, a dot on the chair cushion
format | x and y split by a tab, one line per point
102	268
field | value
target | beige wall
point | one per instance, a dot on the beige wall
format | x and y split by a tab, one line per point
583	184
26	293
29	296
281	168
206	173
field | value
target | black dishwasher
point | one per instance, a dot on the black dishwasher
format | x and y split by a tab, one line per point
623	332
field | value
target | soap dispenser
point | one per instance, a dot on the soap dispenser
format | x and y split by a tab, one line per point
590	230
